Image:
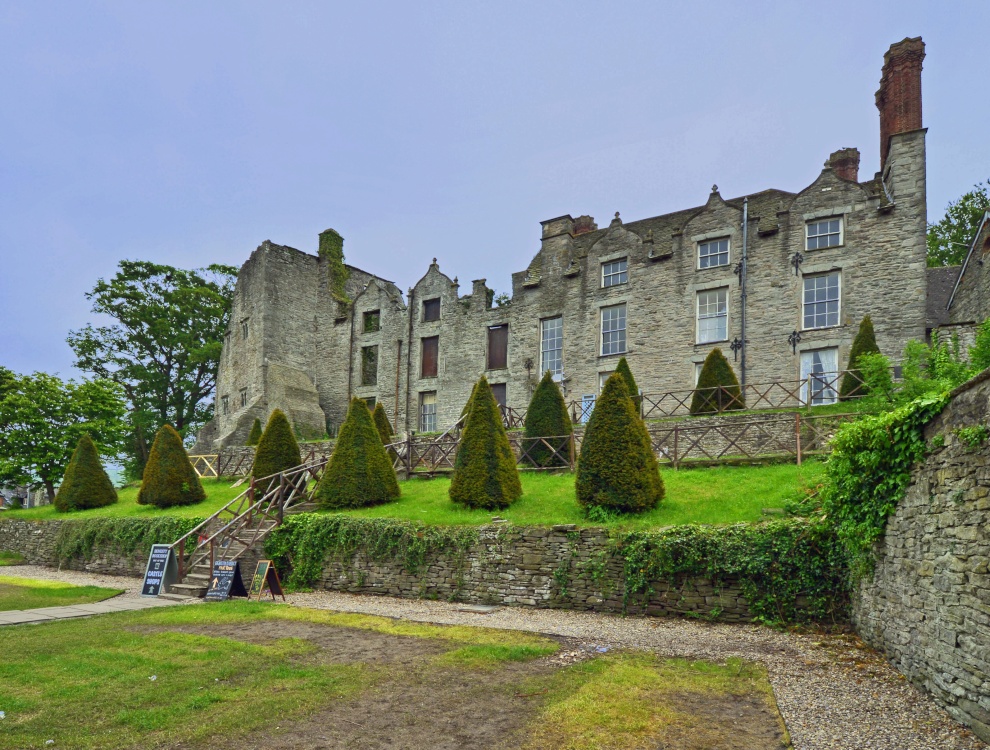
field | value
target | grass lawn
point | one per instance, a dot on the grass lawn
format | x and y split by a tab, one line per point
219	492
718	495
26	593
240	674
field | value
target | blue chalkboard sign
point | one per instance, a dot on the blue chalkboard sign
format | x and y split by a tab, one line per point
162	571
226	581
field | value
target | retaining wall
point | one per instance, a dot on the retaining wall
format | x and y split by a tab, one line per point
927	604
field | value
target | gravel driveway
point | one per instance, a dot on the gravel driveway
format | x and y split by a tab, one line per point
833	691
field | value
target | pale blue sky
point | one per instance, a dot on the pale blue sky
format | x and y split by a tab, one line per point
188	133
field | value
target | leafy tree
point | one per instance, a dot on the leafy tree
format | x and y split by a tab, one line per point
485	473
617	470
85	483
255	435
546	417
949	238
383	424
163	347
277	450
169	478
718	389
360	472
865	342
43	419
623	369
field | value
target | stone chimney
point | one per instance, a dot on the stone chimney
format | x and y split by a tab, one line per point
899	95
845	163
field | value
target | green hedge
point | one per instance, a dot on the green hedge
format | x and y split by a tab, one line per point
124	536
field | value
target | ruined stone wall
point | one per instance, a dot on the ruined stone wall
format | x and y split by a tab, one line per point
927	605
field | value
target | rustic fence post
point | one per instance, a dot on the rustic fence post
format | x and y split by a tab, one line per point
182	558
675	445
409	448
797	435
281	496
571	451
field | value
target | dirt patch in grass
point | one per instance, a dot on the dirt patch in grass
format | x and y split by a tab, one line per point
728	722
336	645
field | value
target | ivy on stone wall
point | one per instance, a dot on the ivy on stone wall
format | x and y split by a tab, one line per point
306	541
789	571
123	536
332	252
868	473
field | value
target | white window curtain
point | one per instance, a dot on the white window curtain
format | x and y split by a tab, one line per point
820	373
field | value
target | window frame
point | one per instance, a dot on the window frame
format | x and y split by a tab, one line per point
422	357
245	329
623	273
841	233
559	338
225	405
491	364
372	315
367	376
602	331
244	397
430	303
728	253
697	315
423	415
804	303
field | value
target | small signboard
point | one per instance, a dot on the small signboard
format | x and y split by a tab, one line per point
162	570
226	581
265	579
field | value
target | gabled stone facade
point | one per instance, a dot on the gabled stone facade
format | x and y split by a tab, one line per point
676	276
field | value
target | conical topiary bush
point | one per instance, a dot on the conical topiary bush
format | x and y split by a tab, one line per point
617	469
85	483
360	472
627	377
277	450
383	424
485	473
718	388
169	478
547	417
865	343
255	435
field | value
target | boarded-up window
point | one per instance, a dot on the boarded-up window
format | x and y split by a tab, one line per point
369	365
498	347
431	351
498	391
431	309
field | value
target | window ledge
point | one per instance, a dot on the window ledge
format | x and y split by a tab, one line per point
616	354
709	343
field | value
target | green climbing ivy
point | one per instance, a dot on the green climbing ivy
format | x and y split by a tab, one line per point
302	545
789	571
332	252
125	536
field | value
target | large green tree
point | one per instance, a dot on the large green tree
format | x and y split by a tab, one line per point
163	346
949	238
43	419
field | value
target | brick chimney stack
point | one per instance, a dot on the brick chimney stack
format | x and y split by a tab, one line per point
899	95
845	163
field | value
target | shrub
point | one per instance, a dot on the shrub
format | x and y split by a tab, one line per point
979	353
255	435
85	484
383	424
853	385
169	478
546	417
617	469
360	472
627	377
277	450
718	389
485	473
878	384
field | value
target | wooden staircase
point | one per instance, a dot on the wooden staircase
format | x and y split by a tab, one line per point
238	530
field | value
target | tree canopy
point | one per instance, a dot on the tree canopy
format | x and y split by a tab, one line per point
169	479
949	238
277	449
164	345
85	483
43	419
547	417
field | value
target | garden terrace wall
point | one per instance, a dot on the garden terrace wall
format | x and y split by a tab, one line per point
927	603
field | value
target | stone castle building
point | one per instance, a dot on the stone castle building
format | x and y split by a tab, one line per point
779	279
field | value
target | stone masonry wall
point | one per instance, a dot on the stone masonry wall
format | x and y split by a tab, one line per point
927	605
35	540
558	567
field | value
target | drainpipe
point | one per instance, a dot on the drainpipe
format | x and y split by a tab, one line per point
742	285
411	310
398	371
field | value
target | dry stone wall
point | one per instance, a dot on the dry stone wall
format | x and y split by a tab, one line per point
927	605
36	541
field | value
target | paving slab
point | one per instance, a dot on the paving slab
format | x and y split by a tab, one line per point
19	617
46	614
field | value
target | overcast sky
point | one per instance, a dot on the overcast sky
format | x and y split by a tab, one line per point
188	133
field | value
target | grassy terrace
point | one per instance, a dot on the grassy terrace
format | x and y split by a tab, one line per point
718	495
26	593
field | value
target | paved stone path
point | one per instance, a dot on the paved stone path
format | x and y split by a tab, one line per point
45	614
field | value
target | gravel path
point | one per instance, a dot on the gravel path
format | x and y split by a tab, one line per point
834	692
